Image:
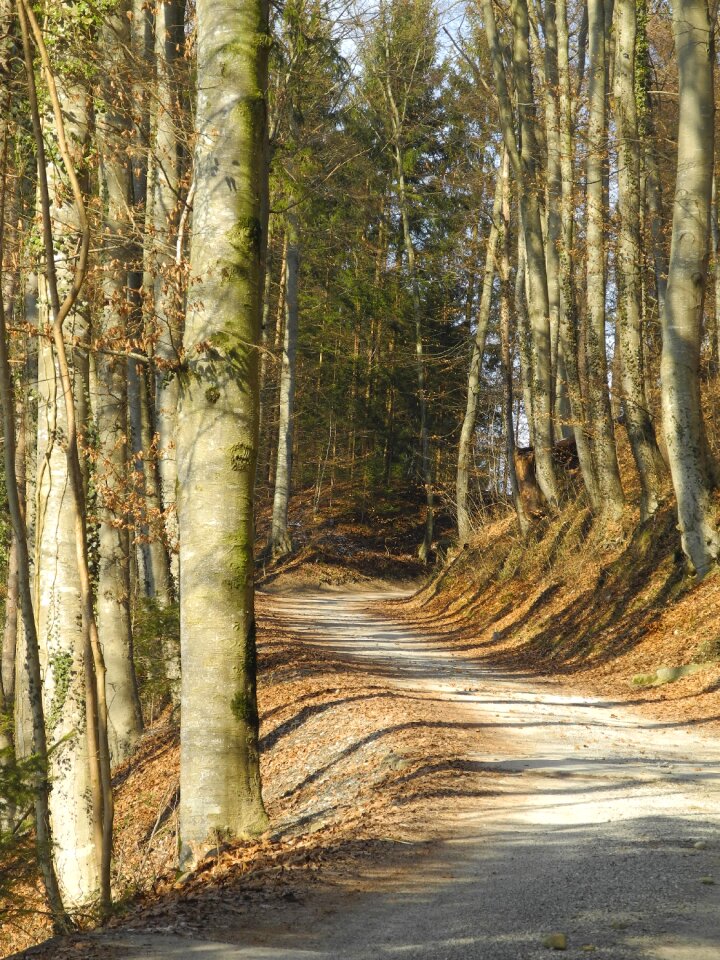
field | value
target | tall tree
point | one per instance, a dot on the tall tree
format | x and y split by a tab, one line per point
610	493
109	392
688	454
629	262
522	145
220	787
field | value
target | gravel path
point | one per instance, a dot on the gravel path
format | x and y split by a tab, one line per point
602	827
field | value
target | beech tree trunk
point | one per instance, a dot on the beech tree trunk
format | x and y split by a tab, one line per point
166	208
610	491
568	335
526	168
629	260
683	423
467	432
280	539
220	791
58	600
109	395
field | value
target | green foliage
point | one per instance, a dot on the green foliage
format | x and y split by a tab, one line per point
156	630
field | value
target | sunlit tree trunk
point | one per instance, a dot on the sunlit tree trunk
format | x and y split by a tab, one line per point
683	423
280	539
58	601
568	335
629	260
220	793
166	208
14	454
467	432
600	416
109	397
526	170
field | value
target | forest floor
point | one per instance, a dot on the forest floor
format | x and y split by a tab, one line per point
429	801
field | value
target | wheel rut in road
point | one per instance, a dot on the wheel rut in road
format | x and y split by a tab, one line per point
602	825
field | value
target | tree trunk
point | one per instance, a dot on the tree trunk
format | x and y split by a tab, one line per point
280	539
506	336
628	260
166	207
58	599
553	208
525	165
683	423
43	832
110	399
93	764
600	416
220	791
467	432
568	336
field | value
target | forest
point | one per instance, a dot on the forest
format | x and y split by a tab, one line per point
359	370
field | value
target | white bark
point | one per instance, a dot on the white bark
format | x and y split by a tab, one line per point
58	602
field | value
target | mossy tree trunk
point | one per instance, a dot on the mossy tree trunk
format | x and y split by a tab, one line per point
220	786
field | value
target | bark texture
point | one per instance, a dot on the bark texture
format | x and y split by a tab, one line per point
217	437
683	424
629	260
110	399
607	471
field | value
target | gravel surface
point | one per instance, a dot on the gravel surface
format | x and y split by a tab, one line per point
600	831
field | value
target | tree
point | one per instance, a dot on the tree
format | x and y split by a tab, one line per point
607	471
109	395
217	437
629	261
688	454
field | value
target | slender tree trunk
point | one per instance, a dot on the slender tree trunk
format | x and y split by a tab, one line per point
568	349
280	539
43	831
110	399
467	432
166	208
83	836
220	792
683	423
524	337
396	120
601	424
506	336
629	259
553	208
58	593
525	164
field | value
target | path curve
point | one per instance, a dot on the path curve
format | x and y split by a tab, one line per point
603	825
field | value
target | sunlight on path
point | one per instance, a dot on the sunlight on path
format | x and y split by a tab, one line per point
602	824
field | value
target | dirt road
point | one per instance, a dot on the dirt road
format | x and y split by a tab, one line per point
601	826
